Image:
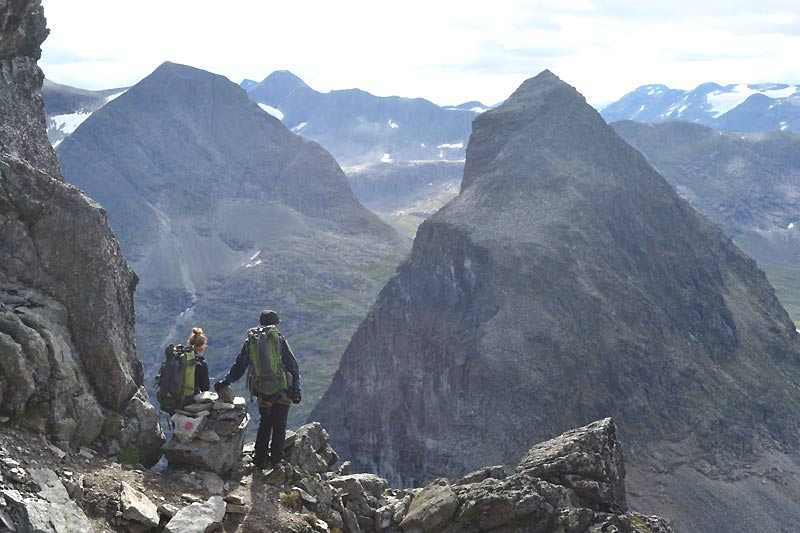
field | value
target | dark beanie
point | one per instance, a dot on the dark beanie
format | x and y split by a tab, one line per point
269	318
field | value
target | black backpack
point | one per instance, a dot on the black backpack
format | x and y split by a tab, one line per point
175	380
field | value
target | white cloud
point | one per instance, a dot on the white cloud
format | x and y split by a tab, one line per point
448	51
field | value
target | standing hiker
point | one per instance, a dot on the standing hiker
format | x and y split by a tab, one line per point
199	342
274	378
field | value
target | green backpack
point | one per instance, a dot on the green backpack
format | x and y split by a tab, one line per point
267	376
175	381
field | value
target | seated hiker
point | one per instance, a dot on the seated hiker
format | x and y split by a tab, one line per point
268	358
199	342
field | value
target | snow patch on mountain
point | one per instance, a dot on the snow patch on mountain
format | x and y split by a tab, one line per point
69	122
274	111
115	95
299	127
723	100
392	124
387	158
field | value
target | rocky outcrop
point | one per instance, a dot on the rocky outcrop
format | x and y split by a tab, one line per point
222	212
565	283
68	359
573	483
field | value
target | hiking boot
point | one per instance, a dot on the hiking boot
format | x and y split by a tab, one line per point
280	463
261	463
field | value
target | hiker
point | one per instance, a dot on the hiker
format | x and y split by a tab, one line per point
269	359
199	342
183	373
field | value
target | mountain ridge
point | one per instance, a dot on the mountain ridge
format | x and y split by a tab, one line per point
358	127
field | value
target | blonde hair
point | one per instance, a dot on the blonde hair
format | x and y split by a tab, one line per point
198	338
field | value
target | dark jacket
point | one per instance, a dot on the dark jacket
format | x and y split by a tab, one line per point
243	361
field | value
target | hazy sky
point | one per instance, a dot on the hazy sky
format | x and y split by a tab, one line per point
447	51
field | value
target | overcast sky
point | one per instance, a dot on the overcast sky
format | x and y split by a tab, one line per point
446	51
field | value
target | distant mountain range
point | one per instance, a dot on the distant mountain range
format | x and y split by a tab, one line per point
742	108
358	127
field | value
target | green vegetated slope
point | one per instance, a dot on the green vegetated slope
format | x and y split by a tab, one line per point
405	193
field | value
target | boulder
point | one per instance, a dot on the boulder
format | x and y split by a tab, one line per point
49	511
309	449
431	508
198	517
137	507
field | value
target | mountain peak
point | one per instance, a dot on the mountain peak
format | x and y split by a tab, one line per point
536	92
544	113
170	69
284	78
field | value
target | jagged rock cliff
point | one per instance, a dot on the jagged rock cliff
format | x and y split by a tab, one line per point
222	212
68	363
568	282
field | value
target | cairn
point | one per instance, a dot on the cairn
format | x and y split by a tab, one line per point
209	433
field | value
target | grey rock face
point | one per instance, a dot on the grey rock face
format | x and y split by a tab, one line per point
567	282
222	211
67	349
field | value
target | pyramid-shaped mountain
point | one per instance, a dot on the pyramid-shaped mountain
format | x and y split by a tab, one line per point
222	211
568	281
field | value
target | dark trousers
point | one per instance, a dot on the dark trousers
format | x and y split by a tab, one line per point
273	423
